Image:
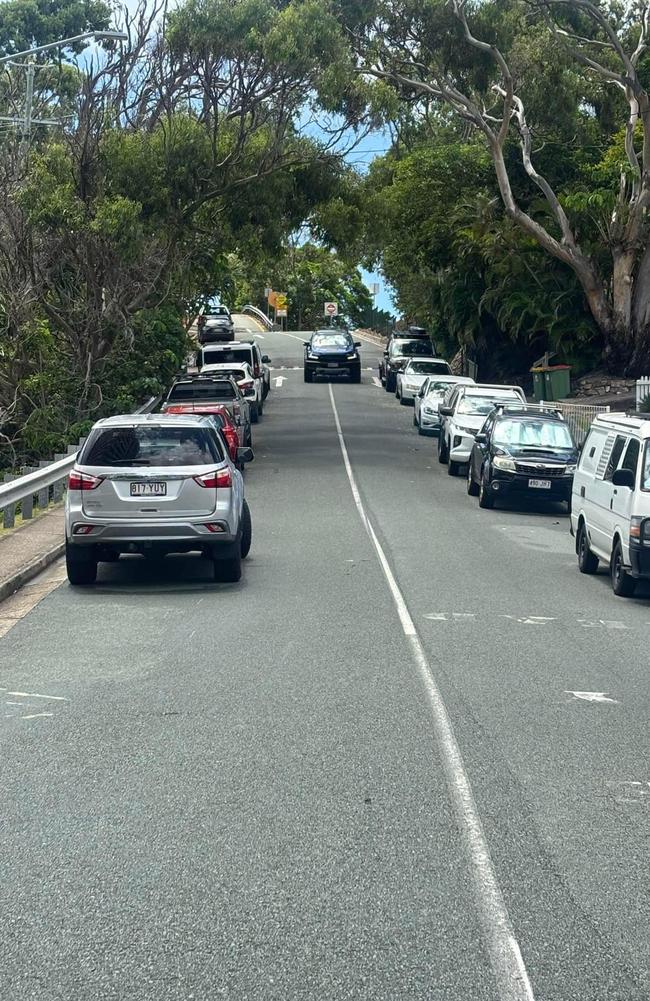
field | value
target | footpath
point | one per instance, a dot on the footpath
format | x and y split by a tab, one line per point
29	549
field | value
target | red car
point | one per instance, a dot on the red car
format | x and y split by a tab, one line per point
234	435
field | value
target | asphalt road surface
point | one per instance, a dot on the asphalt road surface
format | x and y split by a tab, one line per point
363	773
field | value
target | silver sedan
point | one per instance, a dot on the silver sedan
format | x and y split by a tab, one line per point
426	416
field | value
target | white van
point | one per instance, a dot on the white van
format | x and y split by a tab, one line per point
610	502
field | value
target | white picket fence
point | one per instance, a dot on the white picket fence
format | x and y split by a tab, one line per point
642	389
579	416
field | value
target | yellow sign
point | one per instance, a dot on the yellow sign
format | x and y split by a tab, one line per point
281	301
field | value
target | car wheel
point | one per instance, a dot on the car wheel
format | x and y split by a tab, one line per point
308	376
228	571
587	561
472	486
265	390
255	414
453	467
260	407
485	498
622	584
415	423
80	566
442	449
391	383
248	438
355	375
246	531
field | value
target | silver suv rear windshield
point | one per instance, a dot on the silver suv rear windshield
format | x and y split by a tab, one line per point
210	389
151	445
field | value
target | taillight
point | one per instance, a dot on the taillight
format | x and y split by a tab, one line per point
83	481
248	384
217	478
232	439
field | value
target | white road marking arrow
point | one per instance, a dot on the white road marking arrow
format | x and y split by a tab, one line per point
592	696
278	381
376	382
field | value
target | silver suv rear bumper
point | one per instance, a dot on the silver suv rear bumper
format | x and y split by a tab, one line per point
124	533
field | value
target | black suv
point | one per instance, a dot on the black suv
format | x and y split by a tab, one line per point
396	355
332	352
528	451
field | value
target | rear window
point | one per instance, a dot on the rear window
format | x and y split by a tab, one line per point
151	445
231	356
427	367
406	348
209	389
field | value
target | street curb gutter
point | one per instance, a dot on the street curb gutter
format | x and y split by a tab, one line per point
23	576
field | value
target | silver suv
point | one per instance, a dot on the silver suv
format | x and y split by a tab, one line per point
153	485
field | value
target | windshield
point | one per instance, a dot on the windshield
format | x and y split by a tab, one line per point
535	433
332	341
405	348
436	388
481	404
208	390
425	367
231	356
151	446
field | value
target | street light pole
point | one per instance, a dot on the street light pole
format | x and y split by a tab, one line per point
117	36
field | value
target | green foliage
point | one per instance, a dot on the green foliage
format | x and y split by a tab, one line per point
28	23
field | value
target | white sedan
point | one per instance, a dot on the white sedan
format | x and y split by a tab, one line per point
415	373
426	415
242	373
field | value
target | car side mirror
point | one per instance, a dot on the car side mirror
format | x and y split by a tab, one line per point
480	438
445	411
305	344
623	478
385	354
357	344
265	359
245	455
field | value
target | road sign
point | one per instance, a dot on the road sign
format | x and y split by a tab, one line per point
281	312
267	292
373	288
281	300
331	309
272	298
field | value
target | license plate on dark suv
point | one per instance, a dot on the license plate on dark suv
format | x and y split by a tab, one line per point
155	489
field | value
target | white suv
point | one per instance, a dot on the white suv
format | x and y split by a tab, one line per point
234	353
152	485
416	372
463	414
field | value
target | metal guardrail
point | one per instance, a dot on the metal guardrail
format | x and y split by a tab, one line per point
39	487
579	416
259	315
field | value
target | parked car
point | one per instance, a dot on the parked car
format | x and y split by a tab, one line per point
249	385
522	451
415	373
464	414
332	352
233	434
610	503
398	352
426	414
204	389
214	324
234	353
153	485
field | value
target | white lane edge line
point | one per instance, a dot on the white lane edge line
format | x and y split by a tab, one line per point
507	963
376	382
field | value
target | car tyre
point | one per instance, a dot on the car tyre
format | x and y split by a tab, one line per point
472	485
415	423
228	571
485	498
453	467
391	383
587	561
248	438
81	567
355	375
246	531
442	449
308	376
622	584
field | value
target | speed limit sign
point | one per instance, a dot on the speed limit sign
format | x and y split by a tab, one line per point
331	309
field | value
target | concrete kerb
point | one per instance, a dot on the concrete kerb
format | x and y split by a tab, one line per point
27	573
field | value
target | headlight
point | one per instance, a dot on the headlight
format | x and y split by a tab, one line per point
466	430
503	462
310	354
570	470
430	411
352	356
412	385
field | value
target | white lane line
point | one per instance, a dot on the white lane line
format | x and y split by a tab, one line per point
33	695
376	382
506	960
36	715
